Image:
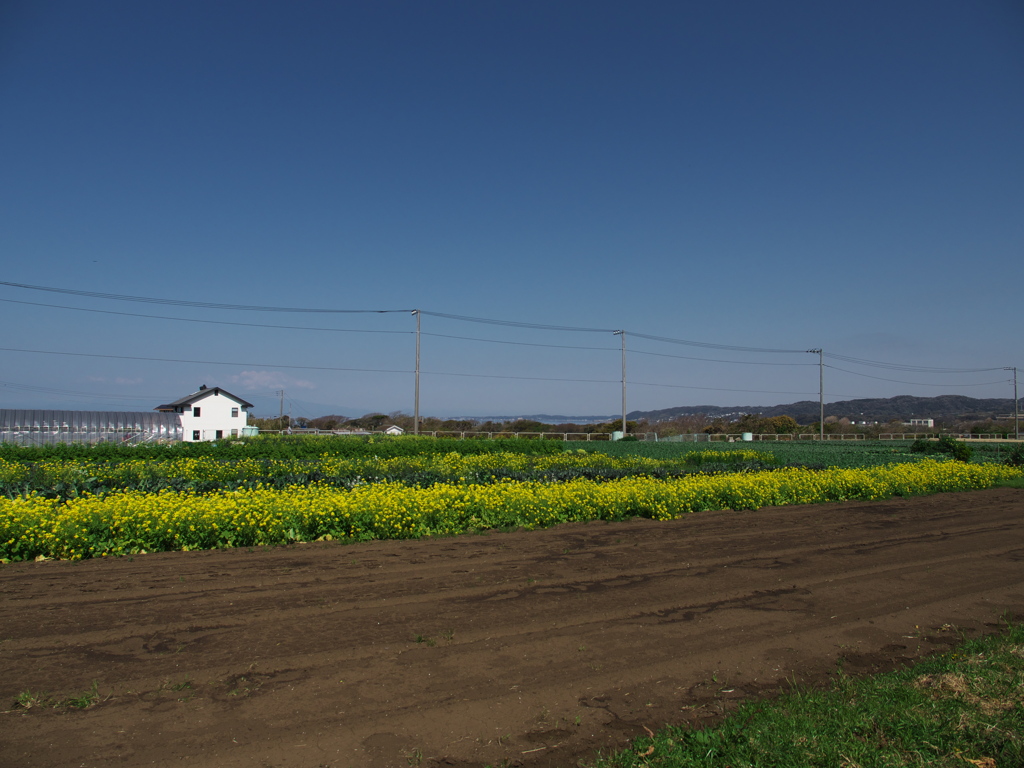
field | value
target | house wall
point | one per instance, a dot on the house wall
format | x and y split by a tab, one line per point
215	416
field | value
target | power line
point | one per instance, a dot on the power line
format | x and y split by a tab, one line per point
361	330
608	381
908	368
296	367
98	396
450	316
205	362
203	304
73	393
463	318
212	322
920	383
518	378
518	343
720	389
714	360
516	324
708	345
372	370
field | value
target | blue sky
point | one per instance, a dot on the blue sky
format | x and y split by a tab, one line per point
791	175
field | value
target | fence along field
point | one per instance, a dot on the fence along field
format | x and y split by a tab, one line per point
75	502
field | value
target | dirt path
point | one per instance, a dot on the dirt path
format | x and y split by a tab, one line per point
534	648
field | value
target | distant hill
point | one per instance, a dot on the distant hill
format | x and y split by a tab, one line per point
903	408
546	418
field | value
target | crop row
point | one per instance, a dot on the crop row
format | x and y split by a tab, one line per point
134	522
862	453
814	454
67	478
280	447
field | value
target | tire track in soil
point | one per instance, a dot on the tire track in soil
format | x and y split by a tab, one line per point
533	647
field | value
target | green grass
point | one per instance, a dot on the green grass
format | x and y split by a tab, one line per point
39	700
959	709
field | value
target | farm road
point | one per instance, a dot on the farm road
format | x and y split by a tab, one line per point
536	648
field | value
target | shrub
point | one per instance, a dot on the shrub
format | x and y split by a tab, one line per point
946	444
1016	457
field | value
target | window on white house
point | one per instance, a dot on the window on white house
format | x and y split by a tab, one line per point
234	433
219	434
195	434
195	411
234	413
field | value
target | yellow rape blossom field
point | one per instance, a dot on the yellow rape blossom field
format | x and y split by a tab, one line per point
134	521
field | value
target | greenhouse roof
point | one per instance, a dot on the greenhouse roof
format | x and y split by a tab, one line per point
12	420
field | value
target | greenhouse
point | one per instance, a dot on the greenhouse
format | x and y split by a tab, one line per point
47	427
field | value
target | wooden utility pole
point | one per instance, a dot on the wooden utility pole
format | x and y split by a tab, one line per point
416	395
623	335
1016	407
821	392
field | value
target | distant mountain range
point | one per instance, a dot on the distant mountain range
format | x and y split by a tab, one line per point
903	408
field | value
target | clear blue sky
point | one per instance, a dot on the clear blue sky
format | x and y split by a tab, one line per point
787	175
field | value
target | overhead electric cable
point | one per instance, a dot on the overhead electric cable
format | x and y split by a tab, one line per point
298	367
715	360
203	304
720	389
919	383
53	391
519	343
212	322
205	362
908	368
517	378
516	324
708	345
611	381
929	370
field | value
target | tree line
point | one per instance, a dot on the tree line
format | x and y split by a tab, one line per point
688	424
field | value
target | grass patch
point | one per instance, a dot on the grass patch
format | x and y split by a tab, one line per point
39	700
959	709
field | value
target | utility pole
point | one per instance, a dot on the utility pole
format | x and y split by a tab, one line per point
280	413
623	335
416	397
1016	407
821	392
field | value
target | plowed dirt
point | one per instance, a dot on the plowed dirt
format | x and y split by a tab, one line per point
533	648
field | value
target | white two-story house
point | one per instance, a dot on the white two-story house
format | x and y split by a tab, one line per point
209	414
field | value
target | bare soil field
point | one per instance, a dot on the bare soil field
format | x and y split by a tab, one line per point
528	649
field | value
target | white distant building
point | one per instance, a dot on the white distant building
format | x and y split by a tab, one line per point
921	423
394	429
209	414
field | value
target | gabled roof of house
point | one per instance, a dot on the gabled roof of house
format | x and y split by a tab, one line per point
202	392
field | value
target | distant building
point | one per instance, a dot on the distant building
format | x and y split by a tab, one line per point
209	414
394	429
921	423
